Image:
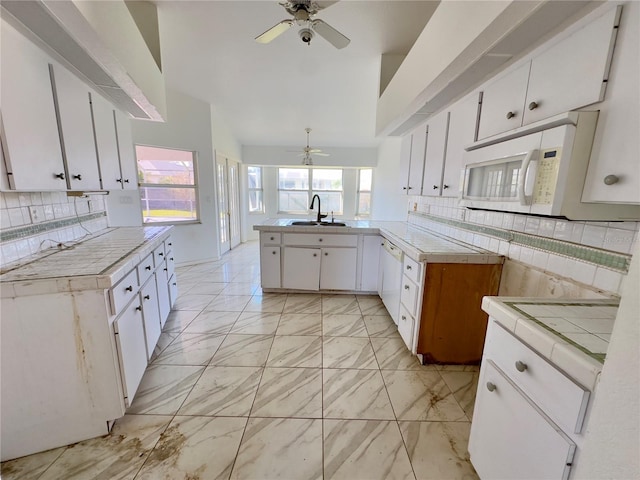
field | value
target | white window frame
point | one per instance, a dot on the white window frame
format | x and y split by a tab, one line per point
261	190
193	187
310	191
358	192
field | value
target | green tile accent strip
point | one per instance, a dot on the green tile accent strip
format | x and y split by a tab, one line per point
597	356
39	228
604	258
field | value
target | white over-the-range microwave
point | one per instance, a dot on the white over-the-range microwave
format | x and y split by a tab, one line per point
539	170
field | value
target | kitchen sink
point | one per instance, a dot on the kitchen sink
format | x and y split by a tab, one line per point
313	223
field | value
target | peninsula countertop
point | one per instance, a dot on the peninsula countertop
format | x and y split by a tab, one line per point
94	263
418	243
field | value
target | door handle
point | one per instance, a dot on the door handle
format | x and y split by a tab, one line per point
523	198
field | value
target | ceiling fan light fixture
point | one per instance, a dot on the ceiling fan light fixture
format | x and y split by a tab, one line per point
307	160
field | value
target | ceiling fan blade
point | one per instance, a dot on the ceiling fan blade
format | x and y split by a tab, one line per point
322	154
314	150
330	34
322	4
274	31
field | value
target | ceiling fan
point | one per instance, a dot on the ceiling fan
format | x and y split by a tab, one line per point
307	151
303	12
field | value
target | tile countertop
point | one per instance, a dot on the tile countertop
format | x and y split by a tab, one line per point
95	263
419	244
572	334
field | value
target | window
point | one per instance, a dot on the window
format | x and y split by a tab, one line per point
363	200
256	202
296	187
167	179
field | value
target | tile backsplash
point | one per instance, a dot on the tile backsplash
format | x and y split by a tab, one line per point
31	223
554	252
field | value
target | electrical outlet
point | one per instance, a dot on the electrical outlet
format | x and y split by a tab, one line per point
37	214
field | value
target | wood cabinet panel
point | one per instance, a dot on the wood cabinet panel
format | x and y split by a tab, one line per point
452	323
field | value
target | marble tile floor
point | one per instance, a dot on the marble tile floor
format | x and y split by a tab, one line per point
246	385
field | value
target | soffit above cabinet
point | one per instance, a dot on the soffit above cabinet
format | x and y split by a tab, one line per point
115	61
462	45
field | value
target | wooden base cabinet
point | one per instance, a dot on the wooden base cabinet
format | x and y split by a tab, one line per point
452	323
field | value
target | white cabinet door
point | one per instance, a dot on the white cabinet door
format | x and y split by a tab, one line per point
106	142
405	162
338	269
390	285
132	352
173	294
270	267
151	315
128	166
619	121
406	327
571	74
510	437
77	132
434	155
33	154
416	164
503	102
301	268
164	301
370	260
462	127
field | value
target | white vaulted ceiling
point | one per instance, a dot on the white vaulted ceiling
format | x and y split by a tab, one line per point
269	93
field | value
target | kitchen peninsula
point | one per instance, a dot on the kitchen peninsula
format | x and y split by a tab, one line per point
79	325
431	285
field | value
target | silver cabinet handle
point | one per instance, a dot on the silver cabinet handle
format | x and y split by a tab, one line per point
521	366
510	115
533	105
491	386
611	179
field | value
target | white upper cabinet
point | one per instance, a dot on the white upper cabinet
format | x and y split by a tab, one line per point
30	133
128	166
412	161
614	169
77	132
106	142
434	155
463	116
503	102
568	75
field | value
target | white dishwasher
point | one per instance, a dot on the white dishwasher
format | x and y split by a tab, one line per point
390	280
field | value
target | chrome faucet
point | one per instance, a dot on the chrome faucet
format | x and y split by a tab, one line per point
313	201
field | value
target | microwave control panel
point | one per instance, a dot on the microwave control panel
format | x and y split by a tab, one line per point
546	176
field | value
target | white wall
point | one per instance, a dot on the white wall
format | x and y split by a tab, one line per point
188	127
612	441
386	202
338	156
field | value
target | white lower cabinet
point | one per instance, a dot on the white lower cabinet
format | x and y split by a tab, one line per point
173	294
370	260
301	268
151	315
270	267
164	302
338	269
511	438
132	351
406	327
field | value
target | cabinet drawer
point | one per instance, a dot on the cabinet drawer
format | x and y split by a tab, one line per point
320	240
168	245
406	327
145	269
559	397
412	269
270	238
123	292
158	255
409	295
